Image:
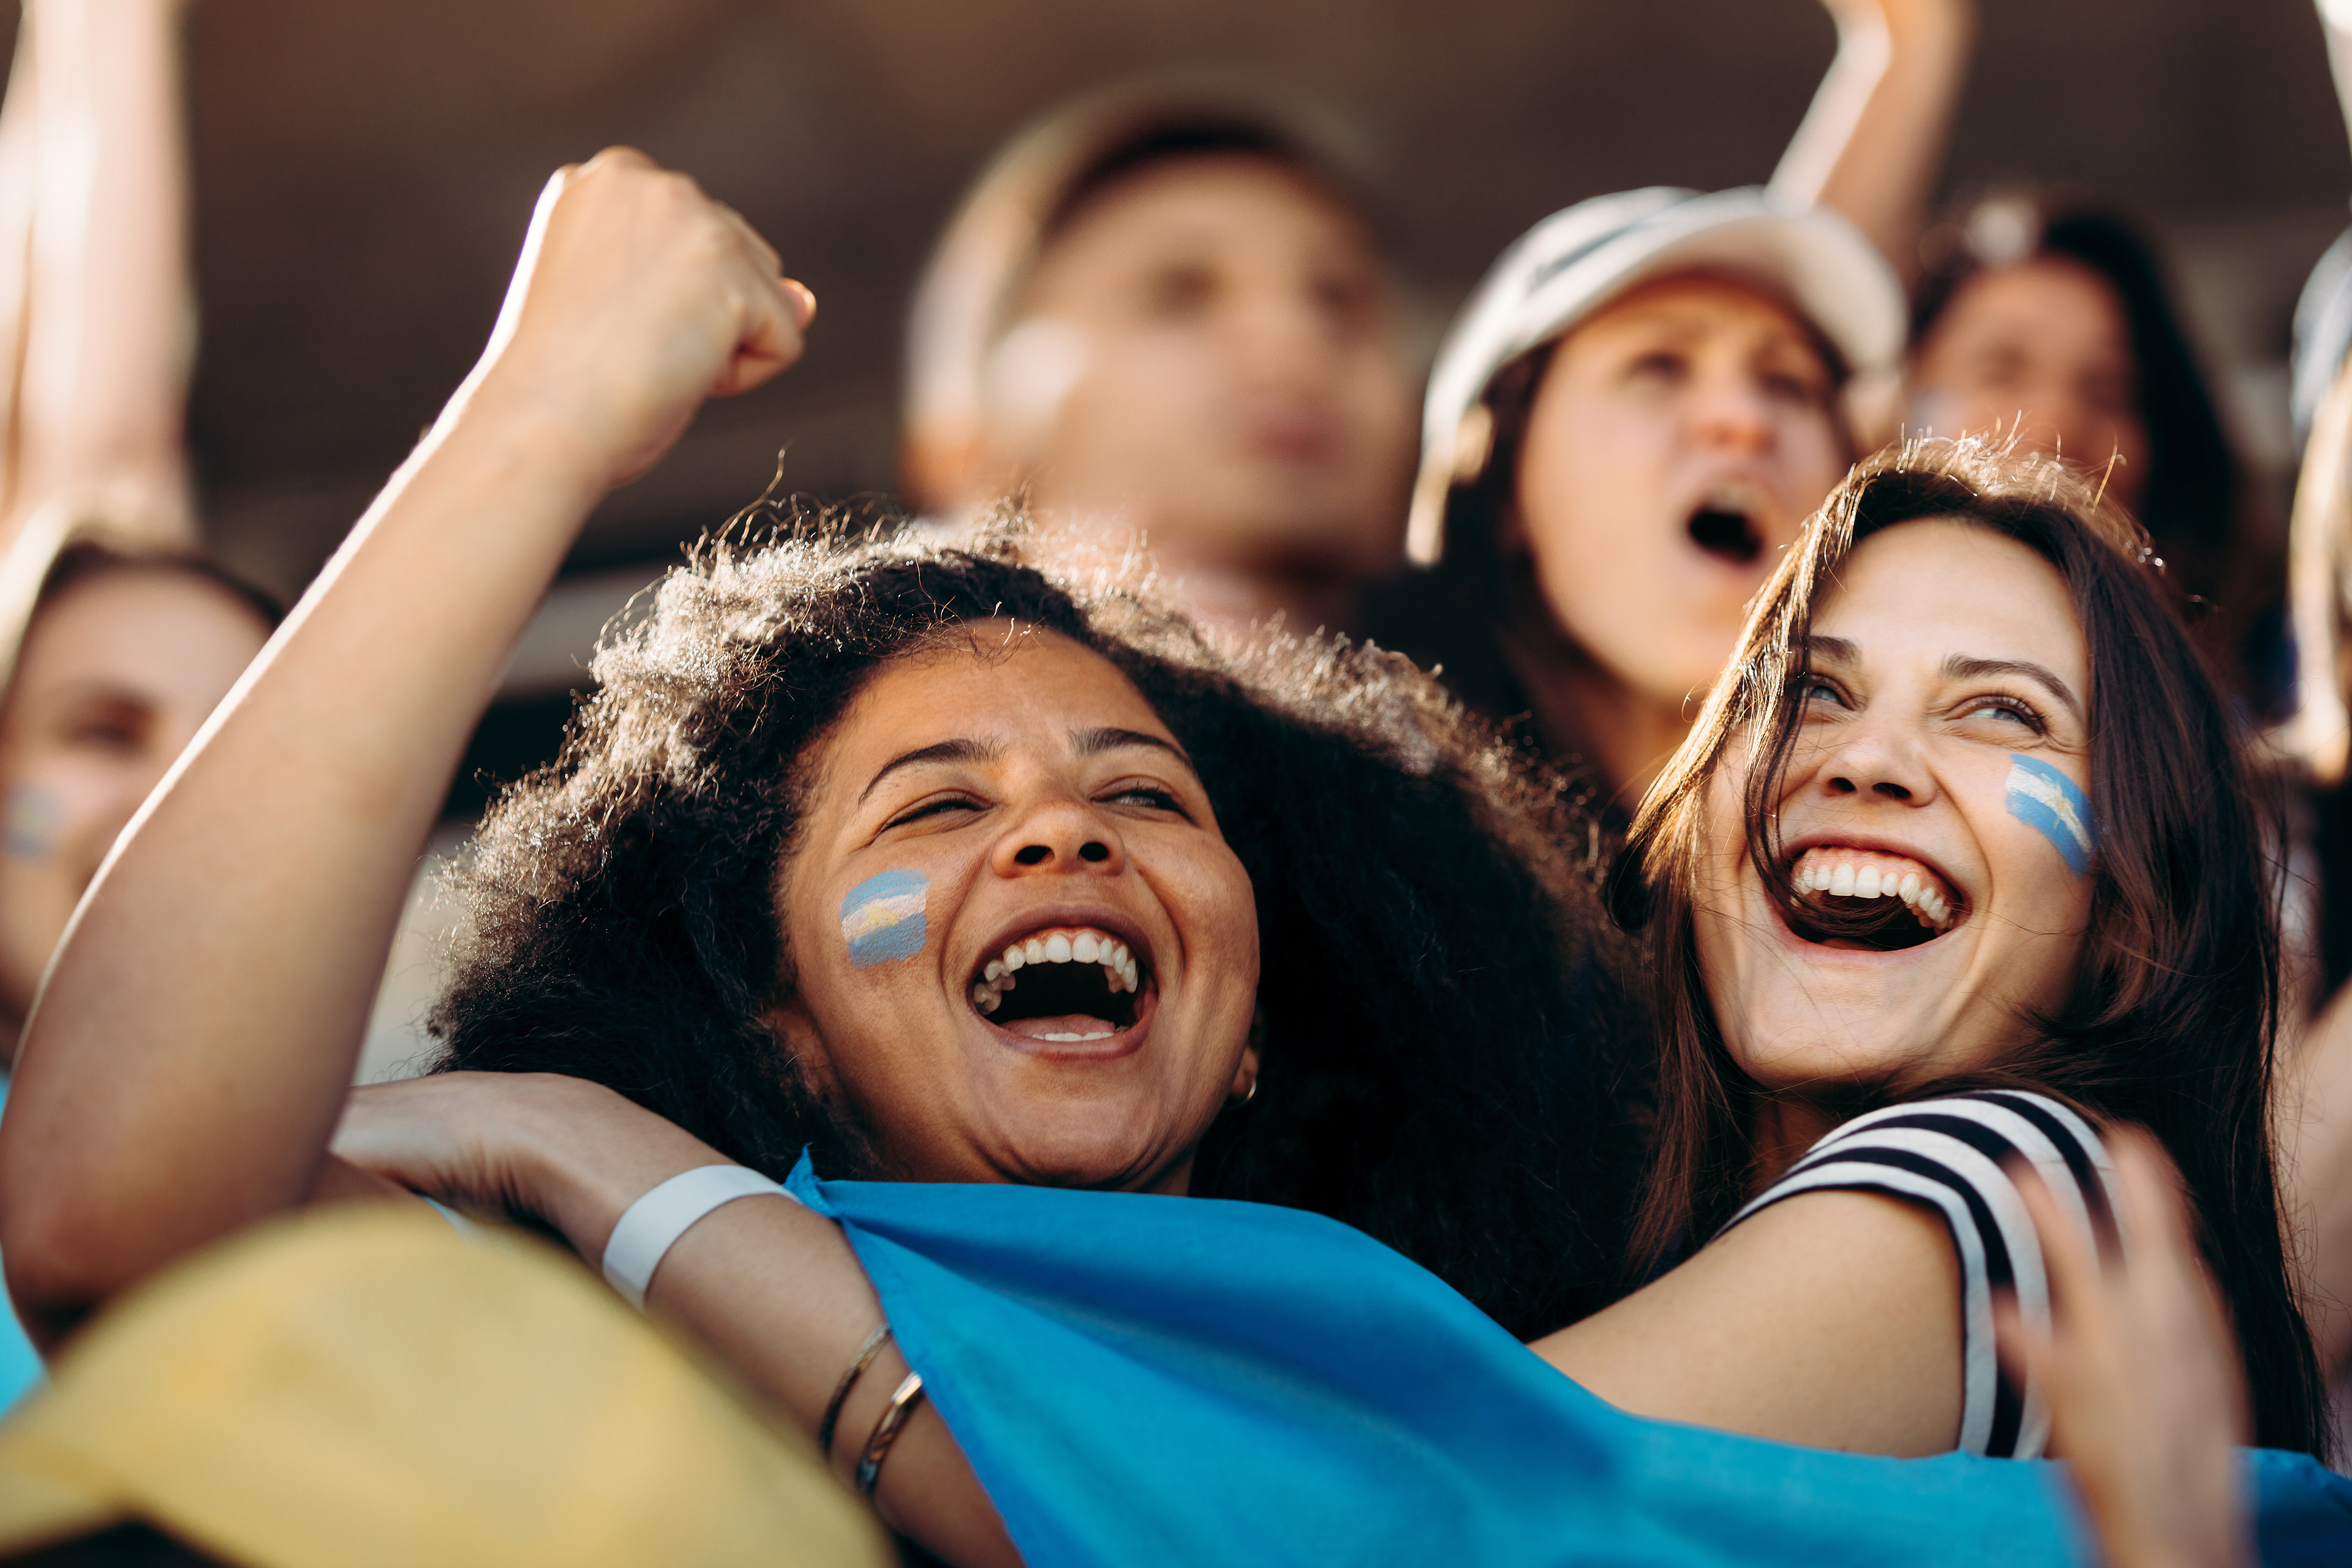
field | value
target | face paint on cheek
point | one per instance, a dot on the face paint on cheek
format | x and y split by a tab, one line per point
34	819
2053	805
882	917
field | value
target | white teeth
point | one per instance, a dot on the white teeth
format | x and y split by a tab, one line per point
1120	971
1097	1034
1929	900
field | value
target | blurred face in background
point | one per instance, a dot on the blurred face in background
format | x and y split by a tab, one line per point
1209	356
1678	439
117	674
2044	345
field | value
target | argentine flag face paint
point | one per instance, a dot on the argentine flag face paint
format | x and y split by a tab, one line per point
882	917
2047	800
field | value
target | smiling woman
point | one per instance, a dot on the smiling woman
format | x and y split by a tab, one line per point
908	857
1967	819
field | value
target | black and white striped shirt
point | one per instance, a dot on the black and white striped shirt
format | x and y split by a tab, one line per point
1947	1154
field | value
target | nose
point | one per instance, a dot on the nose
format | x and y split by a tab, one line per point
1876	761
1059	836
1730	411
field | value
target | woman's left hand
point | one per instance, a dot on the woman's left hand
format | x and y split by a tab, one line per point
543	1145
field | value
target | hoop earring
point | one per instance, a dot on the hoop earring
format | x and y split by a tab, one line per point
1235	1101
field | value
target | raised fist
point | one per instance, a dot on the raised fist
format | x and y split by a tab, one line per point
636	297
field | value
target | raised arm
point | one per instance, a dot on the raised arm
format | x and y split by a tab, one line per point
1874	143
189	1055
2335	22
95	292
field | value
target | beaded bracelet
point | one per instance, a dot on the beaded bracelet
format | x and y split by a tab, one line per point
885	1432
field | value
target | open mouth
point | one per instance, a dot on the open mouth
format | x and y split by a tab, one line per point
1726	533
1870	900
1725	523
1063	984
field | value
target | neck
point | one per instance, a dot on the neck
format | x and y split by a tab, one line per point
1583	709
1785	1126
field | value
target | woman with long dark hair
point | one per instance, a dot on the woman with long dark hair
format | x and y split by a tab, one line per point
1925	849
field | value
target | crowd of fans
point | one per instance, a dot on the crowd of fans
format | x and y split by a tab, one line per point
1761	899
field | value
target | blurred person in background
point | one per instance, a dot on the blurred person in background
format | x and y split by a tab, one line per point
2316	1099
1627	425
1167	316
2043	314
117	639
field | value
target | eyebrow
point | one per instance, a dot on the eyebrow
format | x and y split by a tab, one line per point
1958	666
1087	742
1110	738
958	750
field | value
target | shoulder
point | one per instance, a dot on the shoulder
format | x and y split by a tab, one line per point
1957	1153
1959	1158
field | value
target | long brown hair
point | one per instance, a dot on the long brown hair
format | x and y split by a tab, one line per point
2169	1021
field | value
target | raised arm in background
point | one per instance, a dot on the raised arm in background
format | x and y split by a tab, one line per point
95	302
2335	22
1872	144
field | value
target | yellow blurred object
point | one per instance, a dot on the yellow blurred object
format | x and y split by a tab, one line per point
364	1386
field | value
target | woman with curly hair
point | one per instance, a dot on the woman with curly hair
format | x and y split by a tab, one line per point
1017	912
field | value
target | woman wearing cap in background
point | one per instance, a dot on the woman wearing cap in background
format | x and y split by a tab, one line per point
1627	425
1165	315
116	638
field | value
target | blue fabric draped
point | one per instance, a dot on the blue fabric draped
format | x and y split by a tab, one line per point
20	1364
1158	1379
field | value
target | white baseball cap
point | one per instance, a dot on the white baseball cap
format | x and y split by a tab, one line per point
1580	259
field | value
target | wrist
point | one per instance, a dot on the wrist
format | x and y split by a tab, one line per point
587	1154
498	421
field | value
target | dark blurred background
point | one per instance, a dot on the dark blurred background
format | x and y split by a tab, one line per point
364	170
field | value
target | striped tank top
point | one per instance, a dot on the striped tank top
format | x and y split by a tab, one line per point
1947	1155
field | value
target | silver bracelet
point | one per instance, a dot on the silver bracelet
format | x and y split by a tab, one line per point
652	1225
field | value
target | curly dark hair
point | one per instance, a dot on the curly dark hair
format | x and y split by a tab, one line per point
1441	1015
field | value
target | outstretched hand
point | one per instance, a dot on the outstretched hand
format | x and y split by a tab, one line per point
635	297
2147	1399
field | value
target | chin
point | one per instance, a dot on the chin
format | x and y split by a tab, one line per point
1076	1150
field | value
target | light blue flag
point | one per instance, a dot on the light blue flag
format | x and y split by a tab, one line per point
1161	1379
